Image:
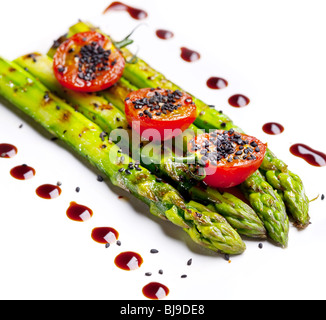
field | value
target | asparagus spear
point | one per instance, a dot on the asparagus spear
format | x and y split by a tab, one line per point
288	184
29	95
239	215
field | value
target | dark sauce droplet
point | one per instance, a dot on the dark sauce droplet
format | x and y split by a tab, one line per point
216	83
156	291
79	213
135	13
164	34
313	157
239	101
48	191
22	172
7	150
128	261
273	128
105	235
189	55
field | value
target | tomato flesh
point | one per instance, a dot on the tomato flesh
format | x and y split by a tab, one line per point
88	62
158	114
229	157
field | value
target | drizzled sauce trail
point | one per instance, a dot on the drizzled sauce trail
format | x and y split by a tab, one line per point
313	157
239	101
79	213
135	13
216	83
156	291
105	235
164	34
22	172
7	150
129	261
189	55
48	191
273	128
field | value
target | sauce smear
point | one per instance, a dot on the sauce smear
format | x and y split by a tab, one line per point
189	55
164	34
273	128
7	150
79	213
216	83
48	191
313	157
105	235
156	291
23	172
135	13
128	261
239	101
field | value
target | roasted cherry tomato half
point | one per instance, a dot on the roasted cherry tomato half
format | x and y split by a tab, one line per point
228	157
158	114
88	62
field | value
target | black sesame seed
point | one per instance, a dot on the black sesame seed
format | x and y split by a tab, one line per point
189	263
107	245
260	246
154	251
128	172
322	197
77	189
148	274
100	178
160	271
184	276
119	243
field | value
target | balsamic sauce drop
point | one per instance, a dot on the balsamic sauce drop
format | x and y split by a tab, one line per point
79	213
128	261
216	83
189	55
239	101
164	34
22	172
105	235
7	150
135	13
313	157
48	191
273	128
156	291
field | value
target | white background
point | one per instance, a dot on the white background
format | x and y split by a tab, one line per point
272	51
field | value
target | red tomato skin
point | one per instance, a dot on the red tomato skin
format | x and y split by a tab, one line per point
228	175
69	78
159	128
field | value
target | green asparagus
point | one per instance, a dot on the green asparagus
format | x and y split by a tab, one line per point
238	214
208	229
288	184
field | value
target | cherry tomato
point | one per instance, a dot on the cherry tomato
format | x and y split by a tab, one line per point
88	62
228	157
158	114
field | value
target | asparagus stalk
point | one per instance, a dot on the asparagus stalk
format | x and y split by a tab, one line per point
239	214
276	172
208	229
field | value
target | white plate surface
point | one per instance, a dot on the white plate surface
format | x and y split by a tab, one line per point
273	53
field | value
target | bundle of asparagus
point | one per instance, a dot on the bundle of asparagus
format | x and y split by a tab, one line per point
270	191
206	227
